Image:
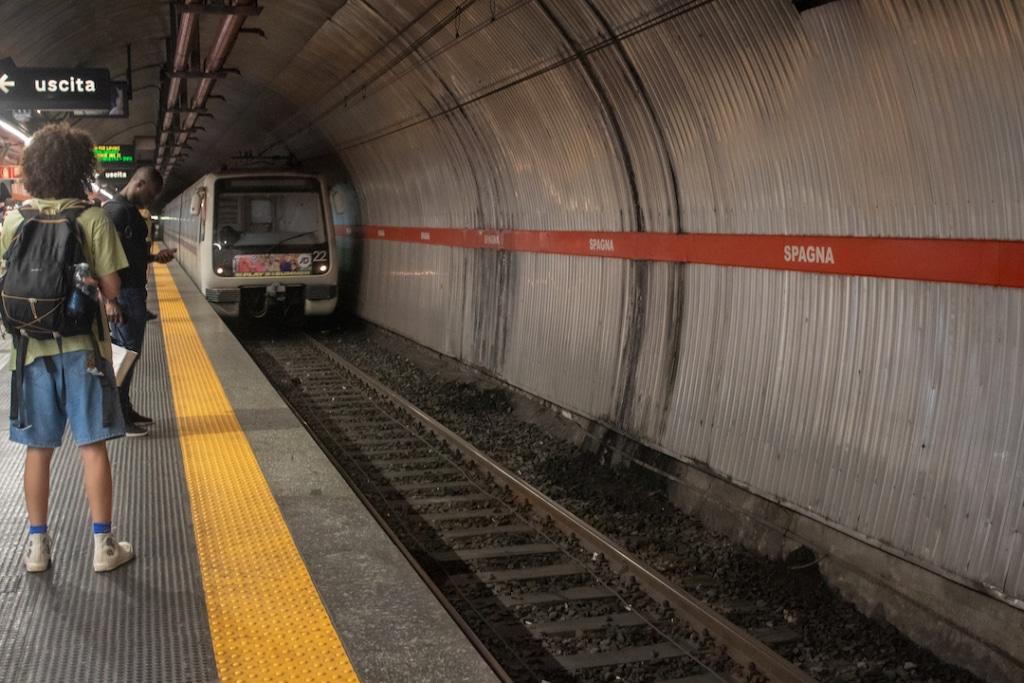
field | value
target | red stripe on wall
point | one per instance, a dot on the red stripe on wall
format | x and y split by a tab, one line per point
976	262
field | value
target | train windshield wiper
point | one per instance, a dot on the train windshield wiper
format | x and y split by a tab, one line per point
294	236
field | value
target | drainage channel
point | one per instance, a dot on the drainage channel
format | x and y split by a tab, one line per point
544	596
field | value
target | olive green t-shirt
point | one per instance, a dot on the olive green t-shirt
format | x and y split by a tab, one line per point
102	251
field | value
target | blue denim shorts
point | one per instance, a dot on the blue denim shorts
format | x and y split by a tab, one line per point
131	332
67	394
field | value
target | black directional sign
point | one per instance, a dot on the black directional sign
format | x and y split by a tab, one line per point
53	89
118	163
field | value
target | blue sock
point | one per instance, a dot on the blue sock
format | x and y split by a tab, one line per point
36	529
101	527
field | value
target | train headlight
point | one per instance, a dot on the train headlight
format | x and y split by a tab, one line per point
323	268
220	271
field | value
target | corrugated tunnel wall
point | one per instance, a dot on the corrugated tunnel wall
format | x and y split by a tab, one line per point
890	408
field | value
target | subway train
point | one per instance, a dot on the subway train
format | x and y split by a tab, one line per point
257	244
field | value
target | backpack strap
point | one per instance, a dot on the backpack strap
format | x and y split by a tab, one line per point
73	213
28	214
51	368
20	343
107	381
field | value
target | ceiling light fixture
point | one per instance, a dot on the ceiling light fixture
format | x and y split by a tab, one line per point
100	190
15	131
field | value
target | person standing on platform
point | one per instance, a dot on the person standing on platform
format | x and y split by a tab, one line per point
143	188
67	378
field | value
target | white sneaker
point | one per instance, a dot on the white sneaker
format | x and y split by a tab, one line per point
109	553
37	556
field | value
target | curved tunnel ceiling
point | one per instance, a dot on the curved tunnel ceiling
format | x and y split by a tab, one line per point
638	115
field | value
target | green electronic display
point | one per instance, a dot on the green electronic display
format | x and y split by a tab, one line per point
115	154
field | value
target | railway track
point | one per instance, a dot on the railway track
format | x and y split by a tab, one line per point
542	594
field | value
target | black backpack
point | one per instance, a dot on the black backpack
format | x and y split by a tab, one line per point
37	283
38	277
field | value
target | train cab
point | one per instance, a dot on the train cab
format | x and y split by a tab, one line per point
257	244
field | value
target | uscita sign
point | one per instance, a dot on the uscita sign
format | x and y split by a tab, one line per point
54	89
69	85
793	253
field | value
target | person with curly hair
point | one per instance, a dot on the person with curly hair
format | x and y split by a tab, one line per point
64	383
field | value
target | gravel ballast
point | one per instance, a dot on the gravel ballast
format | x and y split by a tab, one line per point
828	637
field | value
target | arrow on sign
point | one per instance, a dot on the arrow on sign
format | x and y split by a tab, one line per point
6	85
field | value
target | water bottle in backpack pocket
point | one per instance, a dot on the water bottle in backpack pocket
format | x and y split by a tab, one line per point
83	301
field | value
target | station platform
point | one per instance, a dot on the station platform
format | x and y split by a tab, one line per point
255	561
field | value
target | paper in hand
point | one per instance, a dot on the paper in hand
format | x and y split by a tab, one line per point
123	359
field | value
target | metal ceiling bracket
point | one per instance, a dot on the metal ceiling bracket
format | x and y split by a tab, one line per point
242	10
234	14
219	73
198	112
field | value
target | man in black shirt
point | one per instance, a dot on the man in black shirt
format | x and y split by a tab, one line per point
144	187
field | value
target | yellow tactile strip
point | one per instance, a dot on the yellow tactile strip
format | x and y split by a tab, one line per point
266	617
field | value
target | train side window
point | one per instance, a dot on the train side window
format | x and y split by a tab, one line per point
202	213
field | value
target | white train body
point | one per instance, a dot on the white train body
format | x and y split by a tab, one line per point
255	240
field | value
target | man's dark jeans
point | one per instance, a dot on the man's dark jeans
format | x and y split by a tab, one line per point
130	333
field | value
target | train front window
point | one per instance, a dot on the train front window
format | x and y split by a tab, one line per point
266	226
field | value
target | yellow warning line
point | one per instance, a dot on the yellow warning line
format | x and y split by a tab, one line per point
266	618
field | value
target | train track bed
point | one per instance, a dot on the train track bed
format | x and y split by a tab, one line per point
793	609
541	601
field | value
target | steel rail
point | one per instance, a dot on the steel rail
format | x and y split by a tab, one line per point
744	648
